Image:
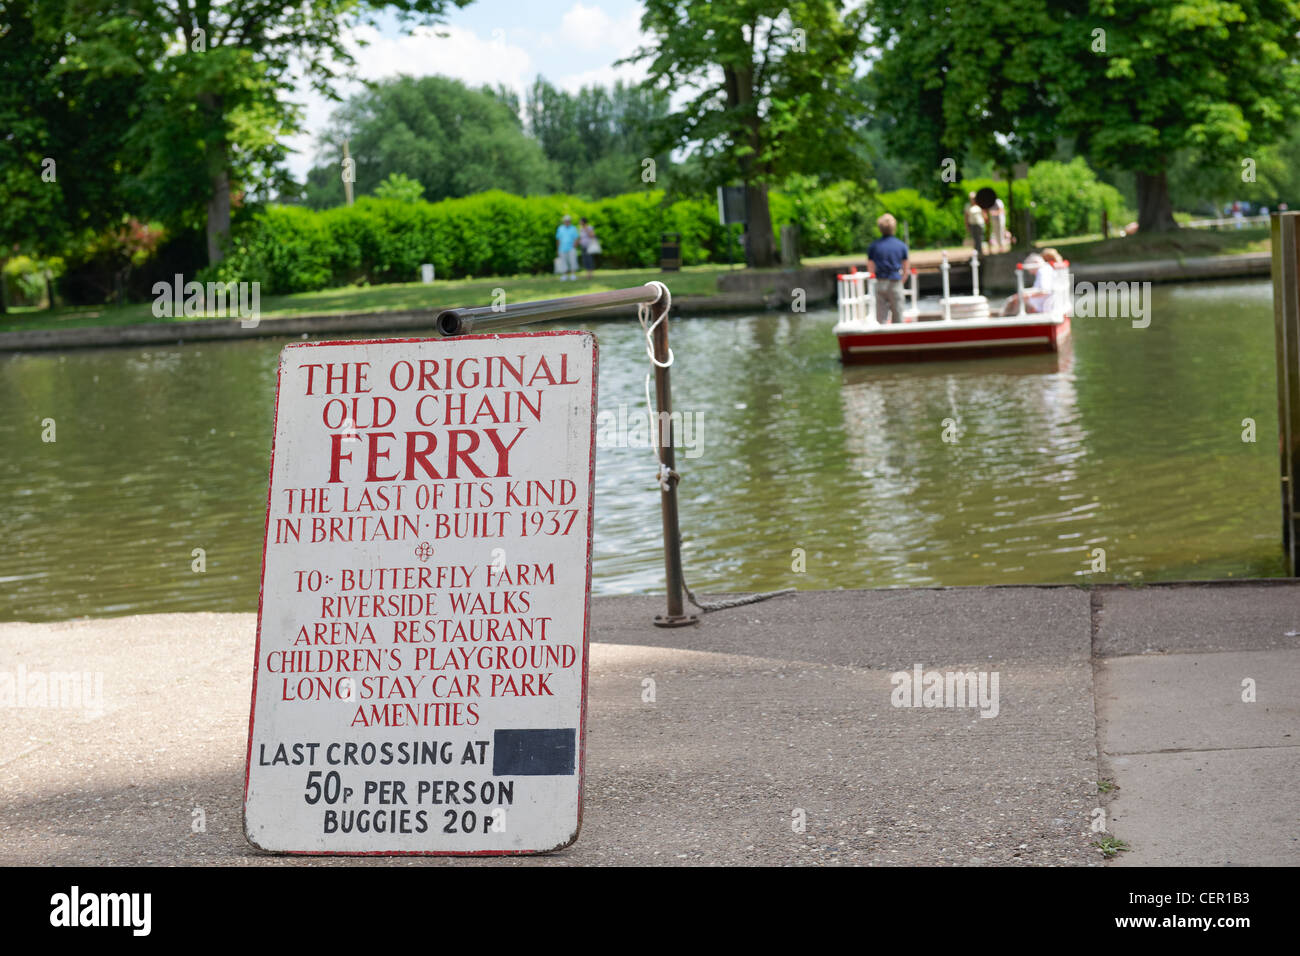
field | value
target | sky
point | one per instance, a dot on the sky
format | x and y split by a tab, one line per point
572	43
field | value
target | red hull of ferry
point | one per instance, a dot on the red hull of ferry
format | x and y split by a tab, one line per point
927	341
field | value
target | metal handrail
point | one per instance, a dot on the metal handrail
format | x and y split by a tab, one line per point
485	318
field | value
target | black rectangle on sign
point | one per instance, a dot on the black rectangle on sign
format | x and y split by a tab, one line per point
533	753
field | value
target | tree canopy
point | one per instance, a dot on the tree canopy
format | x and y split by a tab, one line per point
962	82
599	138
117	118
452	139
1269	176
1222	78
217	102
460	140
63	148
770	93
1130	82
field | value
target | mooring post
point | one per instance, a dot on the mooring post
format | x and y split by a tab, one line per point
676	615
1286	324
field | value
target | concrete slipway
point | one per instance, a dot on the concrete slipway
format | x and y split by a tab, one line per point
759	713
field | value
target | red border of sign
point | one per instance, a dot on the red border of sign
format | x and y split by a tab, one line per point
586	619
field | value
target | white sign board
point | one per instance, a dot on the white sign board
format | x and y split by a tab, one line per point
421	670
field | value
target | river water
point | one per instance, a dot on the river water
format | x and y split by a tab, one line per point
800	472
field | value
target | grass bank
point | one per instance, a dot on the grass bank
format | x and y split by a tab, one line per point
1179	244
701	280
692	280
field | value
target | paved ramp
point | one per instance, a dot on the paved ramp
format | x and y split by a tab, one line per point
764	735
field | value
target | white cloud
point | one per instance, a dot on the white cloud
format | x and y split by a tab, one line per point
449	51
591	28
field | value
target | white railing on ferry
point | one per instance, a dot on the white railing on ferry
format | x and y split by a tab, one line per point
1231	222
857	297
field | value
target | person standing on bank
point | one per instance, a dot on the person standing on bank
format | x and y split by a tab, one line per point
998	227
887	258
975	223
566	256
589	245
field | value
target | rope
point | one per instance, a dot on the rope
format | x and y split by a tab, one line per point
730	602
643	316
666	476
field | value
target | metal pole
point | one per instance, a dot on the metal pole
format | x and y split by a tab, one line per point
1286	315
452	322
676	615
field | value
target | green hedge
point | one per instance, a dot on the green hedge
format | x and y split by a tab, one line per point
1067	199
292	249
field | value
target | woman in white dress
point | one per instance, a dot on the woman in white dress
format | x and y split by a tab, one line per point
1041	296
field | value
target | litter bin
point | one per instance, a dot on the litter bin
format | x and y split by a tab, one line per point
670	251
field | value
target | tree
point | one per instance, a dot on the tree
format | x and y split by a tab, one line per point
219	102
1268	176
1131	82
210	130
964	81
598	138
1152	77
452	139
62	146
28	203
399	187
771	84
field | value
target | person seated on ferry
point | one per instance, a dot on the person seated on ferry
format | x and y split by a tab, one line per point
1041	296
